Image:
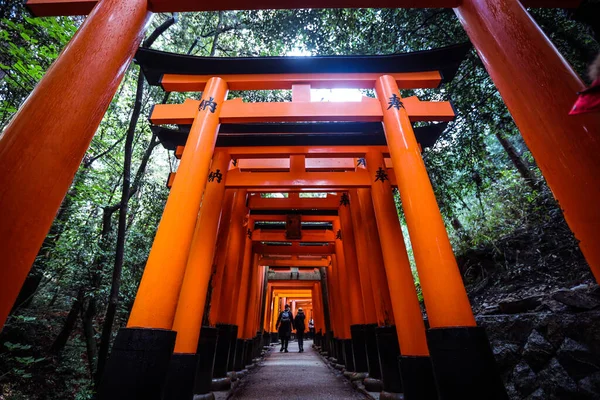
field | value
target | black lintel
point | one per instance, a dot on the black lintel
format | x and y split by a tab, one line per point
299	134
155	63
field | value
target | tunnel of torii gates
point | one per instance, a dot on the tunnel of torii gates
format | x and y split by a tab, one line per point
216	223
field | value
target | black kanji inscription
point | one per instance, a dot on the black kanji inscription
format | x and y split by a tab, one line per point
395	102
216	175
345	199
210	104
381	175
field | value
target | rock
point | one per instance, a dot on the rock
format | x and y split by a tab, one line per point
576	299
515	306
524	378
537	395
491	309
555	381
537	350
577	359
590	386
506	354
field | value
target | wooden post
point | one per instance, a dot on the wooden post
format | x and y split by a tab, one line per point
190	307
455	336
157	296
244	301
381	292
539	88
43	145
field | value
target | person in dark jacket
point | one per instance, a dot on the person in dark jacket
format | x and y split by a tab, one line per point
285	324
300	328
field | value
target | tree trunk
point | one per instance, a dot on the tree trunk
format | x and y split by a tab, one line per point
518	162
65	333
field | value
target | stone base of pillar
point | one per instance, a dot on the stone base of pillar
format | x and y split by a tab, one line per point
359	349
238	363
207	347
389	351
372	353
232	349
180	377
220	384
373	385
207	396
274	337
391	396
348	356
232	375
464	365
138	364
222	350
417	378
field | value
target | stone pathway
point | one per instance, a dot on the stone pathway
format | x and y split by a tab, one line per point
294	376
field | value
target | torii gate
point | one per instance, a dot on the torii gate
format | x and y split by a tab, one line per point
39	155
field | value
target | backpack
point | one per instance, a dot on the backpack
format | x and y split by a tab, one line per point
285	316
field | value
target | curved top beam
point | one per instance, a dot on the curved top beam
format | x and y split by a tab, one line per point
446	60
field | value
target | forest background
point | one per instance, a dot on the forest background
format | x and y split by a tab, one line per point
505	227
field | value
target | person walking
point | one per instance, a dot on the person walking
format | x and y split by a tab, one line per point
285	324
300	327
311	329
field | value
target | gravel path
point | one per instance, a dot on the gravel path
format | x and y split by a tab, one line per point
293	376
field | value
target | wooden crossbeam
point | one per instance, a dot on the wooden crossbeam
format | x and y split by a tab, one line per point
196	83
282	218
283	164
322	236
295	248
325	180
47	8
237	112
273	262
307	151
331	202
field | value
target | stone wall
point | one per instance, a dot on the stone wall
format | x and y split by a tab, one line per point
553	351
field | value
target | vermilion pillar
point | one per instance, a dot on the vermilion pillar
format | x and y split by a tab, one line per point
415	365
362	255
454	336
148	331
220	254
42	147
539	88
235	248
165	268
379	281
190	307
243	296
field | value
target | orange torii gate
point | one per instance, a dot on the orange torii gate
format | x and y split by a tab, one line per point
39	155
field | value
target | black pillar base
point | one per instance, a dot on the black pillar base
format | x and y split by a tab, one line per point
138	365
348	357
359	348
464	365
222	350
207	348
372	353
220	384
339	351
232	348
249	350
180	378
389	351
417	378
238	363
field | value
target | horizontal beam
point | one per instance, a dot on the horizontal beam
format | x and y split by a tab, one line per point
331	202
283	164
273	262
50	8
295	248
325	180
237	112
308	151
321	236
283	218
196	83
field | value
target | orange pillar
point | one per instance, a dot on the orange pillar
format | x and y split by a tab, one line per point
220	254
362	253
243	295
341	283
351	300
235	250
407	312
381	291
454	335
42	147
357	309
190	308
157	296
333	297
539	88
